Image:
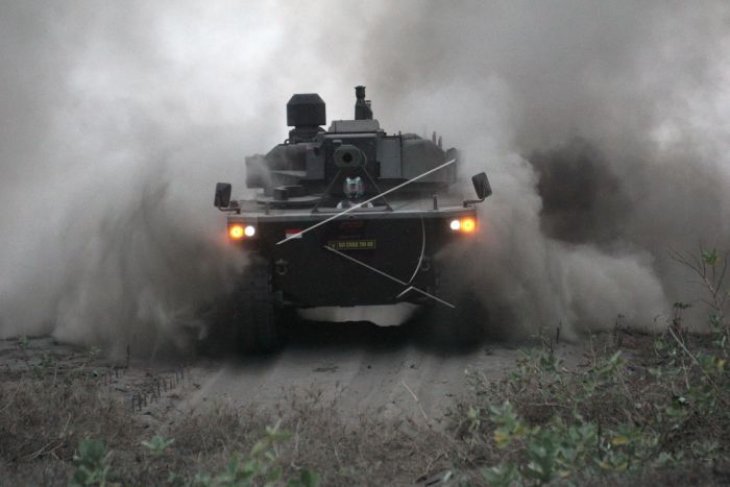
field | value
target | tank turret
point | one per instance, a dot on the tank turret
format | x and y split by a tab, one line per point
317	162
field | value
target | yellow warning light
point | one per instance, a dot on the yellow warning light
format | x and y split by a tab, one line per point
468	225
463	225
236	232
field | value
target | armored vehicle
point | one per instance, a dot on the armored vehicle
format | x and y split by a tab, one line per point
346	216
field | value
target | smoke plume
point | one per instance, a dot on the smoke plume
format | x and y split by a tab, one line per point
602	126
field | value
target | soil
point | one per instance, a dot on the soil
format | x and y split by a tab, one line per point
367	376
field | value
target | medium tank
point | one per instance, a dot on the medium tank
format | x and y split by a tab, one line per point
347	216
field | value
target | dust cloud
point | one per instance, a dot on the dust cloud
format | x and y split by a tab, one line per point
602	125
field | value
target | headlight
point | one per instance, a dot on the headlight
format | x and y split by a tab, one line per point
463	225
238	231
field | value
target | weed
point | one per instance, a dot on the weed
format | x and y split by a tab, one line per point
158	444
92	464
262	466
613	418
639	410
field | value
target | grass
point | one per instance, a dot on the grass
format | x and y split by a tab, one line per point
640	409
43	419
647	409
655	413
643	408
61	428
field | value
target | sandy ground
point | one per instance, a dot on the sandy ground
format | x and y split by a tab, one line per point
362	368
385	375
358	367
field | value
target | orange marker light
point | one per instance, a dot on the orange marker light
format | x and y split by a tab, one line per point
463	225
468	225
236	232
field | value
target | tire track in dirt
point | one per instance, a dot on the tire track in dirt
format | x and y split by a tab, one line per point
358	367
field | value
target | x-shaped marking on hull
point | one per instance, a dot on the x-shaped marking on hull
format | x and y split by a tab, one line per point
408	286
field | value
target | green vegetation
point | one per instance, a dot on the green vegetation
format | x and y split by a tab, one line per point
639	409
643	408
92	464
158	444
260	467
665	409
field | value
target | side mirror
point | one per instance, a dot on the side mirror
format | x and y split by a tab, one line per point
222	195
481	185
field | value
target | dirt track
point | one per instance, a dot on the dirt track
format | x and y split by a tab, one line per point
378	397
358	367
361	367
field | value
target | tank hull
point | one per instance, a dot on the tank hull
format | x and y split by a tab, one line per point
358	259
